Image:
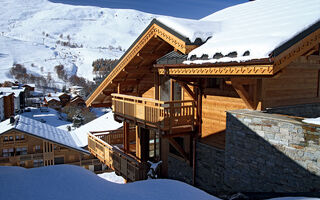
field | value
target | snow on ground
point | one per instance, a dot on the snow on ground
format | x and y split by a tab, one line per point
72	182
312	120
112	177
31	33
295	198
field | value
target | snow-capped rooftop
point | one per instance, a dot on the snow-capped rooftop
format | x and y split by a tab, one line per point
43	130
251	30
9	90
104	123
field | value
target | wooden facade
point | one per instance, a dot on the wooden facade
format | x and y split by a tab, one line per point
291	77
8	104
18	148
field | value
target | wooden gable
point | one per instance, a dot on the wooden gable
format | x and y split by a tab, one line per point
135	68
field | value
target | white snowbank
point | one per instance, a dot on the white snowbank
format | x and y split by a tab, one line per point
312	120
66	182
112	177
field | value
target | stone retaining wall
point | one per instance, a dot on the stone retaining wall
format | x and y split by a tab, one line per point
209	169
271	153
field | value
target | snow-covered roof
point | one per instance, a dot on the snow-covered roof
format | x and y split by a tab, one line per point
252	30
104	123
9	90
52	98
42	130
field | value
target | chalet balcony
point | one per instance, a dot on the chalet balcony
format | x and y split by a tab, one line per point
107	147
164	115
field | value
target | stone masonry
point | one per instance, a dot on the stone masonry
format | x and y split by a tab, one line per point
209	169
271	153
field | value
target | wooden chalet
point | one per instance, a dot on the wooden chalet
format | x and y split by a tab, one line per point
167	106
76	101
29	143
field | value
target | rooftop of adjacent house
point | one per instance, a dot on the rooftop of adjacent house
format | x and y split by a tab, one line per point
253	30
42	130
104	123
52	98
14	89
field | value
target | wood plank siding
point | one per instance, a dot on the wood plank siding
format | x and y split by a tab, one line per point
298	83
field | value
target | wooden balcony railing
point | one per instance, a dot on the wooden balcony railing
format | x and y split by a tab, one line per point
162	114
18	158
113	137
125	165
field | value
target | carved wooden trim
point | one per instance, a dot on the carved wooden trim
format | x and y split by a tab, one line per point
297	50
226	70
153	31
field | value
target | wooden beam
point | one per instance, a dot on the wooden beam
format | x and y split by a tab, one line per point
178	148
156	86
119	88
188	90
243	93
171	90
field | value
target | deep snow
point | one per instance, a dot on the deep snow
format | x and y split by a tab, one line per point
73	182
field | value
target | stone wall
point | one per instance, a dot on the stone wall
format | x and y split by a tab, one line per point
304	110
209	169
271	153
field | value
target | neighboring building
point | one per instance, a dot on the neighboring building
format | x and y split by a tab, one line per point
29	143
248	57
52	102
19	96
77	101
8	104
64	98
77	90
1	107
29	89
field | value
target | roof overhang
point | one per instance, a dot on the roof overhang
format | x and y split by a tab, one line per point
154	42
216	69
303	44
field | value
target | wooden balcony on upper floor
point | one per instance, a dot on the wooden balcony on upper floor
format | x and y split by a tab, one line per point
107	147
164	115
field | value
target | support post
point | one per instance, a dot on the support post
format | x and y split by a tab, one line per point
126	136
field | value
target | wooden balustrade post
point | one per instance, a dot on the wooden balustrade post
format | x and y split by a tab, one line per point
126	136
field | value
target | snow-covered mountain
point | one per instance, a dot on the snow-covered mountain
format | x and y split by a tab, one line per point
40	35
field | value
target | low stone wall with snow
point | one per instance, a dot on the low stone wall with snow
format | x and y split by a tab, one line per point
304	110
271	153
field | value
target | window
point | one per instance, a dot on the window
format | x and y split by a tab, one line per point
58	160
37	148
18	151
5	138
38	163
5	153
22	137
22	164
10	138
11	152
17	137
24	151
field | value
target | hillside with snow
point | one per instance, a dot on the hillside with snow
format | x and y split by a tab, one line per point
40	35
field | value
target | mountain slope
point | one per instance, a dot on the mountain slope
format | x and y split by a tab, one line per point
40	35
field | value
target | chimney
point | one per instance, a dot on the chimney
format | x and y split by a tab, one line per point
12	120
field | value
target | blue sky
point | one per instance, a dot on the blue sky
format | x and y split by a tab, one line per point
194	9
